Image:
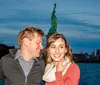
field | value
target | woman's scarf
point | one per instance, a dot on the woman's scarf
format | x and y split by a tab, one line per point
49	75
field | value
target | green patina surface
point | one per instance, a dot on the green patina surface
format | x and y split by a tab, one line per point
53	28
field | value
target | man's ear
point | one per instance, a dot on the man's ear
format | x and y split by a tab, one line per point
26	42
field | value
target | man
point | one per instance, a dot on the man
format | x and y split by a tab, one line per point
24	66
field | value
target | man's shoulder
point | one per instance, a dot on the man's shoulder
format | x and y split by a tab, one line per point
5	56
10	55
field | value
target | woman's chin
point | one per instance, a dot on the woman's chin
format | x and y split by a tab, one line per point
57	60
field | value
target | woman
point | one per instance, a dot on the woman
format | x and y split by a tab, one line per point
60	68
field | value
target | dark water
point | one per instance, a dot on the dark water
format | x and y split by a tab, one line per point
90	74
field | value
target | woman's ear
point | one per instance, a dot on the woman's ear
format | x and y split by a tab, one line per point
25	42
66	50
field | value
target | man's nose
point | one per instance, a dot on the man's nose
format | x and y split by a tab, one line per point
41	46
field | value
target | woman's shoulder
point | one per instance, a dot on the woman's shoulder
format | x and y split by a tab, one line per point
73	70
74	66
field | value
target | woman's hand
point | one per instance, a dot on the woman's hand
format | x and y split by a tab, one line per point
61	66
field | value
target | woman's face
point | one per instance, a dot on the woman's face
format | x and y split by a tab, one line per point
57	50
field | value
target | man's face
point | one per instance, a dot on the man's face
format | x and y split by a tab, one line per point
35	45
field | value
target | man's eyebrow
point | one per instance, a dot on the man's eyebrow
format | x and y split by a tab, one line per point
52	44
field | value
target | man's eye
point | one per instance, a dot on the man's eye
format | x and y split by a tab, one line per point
52	46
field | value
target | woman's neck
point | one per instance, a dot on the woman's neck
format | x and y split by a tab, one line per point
55	63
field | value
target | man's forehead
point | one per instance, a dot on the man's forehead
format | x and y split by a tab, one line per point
37	35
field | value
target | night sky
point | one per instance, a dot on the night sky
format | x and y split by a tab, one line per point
78	20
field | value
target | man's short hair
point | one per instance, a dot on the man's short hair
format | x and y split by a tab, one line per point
29	32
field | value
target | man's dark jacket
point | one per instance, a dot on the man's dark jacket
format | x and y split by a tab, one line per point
12	72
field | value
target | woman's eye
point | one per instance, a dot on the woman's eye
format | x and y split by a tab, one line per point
61	47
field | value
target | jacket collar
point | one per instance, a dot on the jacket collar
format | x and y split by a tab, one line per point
14	52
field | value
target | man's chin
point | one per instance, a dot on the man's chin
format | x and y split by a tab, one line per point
38	55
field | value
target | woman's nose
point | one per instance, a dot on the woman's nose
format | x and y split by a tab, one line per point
57	50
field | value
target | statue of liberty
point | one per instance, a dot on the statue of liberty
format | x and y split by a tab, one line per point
53	28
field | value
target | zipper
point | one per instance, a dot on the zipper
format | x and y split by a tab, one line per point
25	80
